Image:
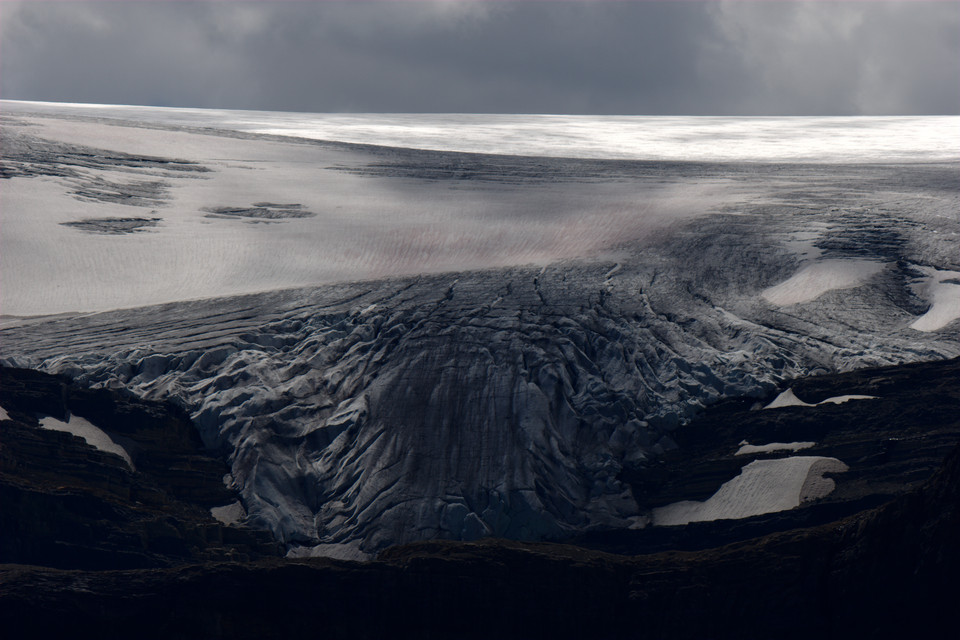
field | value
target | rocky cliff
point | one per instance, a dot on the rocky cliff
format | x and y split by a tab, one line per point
834	568
884	572
70	504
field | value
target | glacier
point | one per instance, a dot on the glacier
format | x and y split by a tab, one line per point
455	344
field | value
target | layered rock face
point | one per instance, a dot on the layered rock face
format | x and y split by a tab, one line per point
70	504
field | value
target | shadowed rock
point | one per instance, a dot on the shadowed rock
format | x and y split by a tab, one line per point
70	505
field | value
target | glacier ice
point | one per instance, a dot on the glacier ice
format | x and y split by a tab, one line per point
439	414
486	343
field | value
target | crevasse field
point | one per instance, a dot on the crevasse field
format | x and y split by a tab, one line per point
401	327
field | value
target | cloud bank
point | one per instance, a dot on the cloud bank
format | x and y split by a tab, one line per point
693	58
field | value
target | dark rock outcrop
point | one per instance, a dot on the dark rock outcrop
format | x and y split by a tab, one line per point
884	572
69	505
892	443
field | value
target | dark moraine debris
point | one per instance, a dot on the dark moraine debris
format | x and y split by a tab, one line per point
139	193
274	205
260	212
113	226
26	155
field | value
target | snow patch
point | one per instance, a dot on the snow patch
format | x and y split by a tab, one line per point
229	514
944	298
746	448
3	414
91	433
816	485
337	551
842	399
763	486
789	399
817	278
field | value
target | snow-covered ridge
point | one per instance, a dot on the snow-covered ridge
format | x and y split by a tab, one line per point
690	138
789	399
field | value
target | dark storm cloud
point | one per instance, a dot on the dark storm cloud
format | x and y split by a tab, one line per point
446	56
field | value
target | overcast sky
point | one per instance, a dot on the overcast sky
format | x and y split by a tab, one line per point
695	58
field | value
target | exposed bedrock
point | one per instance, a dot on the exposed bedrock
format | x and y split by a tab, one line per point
73	504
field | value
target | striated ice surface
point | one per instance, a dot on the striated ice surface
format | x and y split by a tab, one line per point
500	403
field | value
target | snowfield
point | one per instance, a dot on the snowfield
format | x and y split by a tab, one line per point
390	344
724	139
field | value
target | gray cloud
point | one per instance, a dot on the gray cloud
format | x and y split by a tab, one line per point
750	58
